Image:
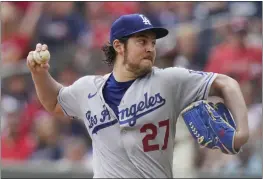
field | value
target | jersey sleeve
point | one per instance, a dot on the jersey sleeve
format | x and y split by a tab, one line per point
188	85
69	99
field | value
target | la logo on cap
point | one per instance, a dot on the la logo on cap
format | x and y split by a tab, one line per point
145	20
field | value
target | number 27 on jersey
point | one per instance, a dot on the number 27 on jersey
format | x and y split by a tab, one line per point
154	132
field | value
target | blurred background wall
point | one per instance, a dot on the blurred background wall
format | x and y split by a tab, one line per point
222	37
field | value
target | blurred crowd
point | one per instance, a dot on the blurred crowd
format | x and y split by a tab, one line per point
222	37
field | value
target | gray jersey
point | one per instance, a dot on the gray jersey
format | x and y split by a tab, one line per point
139	144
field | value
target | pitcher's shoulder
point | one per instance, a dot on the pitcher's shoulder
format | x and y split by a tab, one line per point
90	80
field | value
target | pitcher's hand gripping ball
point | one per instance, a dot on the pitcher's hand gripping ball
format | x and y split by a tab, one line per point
211	125
41	57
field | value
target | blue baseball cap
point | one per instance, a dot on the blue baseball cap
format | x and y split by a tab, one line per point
133	23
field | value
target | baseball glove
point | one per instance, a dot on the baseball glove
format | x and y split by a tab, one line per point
211	125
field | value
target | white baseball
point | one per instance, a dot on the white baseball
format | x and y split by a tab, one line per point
41	57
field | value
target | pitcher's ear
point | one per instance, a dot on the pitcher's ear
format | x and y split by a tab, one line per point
118	46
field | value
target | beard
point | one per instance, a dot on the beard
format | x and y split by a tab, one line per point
137	68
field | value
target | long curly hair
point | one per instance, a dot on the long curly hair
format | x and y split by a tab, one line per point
110	52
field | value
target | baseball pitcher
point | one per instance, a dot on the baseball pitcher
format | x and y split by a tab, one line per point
131	113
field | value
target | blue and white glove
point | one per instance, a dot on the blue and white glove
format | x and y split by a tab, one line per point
211	125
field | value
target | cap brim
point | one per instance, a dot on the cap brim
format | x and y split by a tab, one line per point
159	31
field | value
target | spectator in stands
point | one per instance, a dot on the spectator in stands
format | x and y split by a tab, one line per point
16	86
186	45
183	10
14	145
99	16
212	16
29	113
60	25
68	75
9	105
116	9
205	10
76	152
47	135
99	25
91	41
18	29
234	57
